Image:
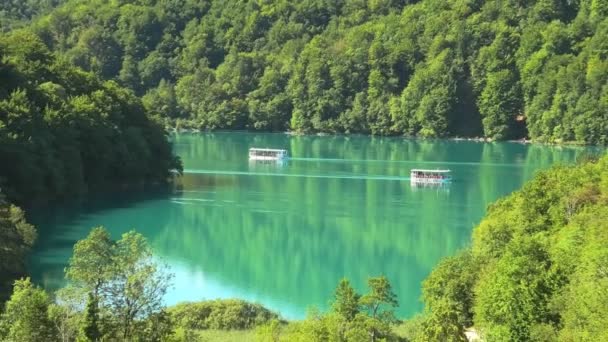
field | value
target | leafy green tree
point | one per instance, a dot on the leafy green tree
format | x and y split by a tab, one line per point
25	317
378	304
138	283
89	266
346	301
162	101
500	105
381	298
66	314
65	132
123	281
16	238
534	269
449	289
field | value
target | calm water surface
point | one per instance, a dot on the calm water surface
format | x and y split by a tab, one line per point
284	234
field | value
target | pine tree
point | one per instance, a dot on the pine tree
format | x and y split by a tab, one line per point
90	326
347	300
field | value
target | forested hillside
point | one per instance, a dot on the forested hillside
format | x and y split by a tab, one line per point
63	131
536	270
432	68
17	13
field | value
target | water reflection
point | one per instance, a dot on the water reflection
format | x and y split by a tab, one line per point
285	233
265	165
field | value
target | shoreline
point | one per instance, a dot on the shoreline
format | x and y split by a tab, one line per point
525	141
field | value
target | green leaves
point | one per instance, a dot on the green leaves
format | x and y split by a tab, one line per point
352	317
16	238
534	271
25	318
305	66
380	299
64	132
346	302
124	281
89	266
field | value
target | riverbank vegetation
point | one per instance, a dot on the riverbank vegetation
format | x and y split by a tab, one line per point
16	238
500	69
64	131
115	292
536	267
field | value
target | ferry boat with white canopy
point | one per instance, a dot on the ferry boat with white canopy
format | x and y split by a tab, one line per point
267	154
423	176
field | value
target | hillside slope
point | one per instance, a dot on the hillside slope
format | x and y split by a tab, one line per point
536	270
63	131
432	68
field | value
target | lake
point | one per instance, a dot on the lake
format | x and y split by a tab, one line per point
285	234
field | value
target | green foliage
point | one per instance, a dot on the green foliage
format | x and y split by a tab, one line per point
90	327
91	261
346	301
380	299
353	317
124	283
535	271
449	299
64	132
227	314
26	316
16	238
17	13
67	316
500	69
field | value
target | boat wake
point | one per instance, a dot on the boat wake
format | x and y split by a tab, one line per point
299	175
416	162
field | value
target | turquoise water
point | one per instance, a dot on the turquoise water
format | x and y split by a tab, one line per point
284	234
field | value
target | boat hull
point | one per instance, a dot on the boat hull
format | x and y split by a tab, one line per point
417	180
266	158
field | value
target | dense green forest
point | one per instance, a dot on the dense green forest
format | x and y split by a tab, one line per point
536	270
18	13
64	131
432	68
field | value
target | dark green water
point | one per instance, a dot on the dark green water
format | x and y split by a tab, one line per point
283	235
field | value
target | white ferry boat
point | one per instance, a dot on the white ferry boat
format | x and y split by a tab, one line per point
267	154
430	176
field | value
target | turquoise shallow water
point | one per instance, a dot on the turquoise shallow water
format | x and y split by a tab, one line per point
284	234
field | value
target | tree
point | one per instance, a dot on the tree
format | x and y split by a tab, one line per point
90	264
16	238
90	327
124	283
346	302
378	304
66	314
380	299
450	285
26	317
499	104
138	283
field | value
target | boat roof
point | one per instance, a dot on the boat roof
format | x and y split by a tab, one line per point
431	171
266	149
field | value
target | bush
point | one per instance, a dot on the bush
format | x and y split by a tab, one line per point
221	314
